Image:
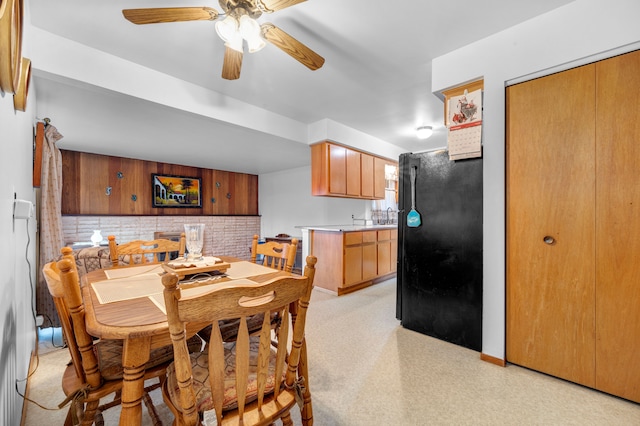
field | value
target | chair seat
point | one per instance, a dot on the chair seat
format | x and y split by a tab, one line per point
201	383
109	354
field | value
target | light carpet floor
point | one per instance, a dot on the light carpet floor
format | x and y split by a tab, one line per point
366	369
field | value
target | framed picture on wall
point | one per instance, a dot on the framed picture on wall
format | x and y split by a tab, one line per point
176	191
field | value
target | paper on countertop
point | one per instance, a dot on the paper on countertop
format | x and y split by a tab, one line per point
183	263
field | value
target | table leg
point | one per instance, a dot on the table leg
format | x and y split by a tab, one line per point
135	355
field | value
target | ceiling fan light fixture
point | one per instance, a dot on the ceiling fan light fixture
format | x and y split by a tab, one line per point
250	31
424	132
255	44
235	42
227	29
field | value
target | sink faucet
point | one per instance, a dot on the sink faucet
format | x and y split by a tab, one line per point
389	210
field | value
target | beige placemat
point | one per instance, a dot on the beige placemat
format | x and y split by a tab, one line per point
245	269
131	271
158	299
132	287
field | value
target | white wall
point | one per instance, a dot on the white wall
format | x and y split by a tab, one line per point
285	201
17	256
578	33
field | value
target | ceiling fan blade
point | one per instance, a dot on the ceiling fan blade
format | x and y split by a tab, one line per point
232	64
170	14
273	5
292	47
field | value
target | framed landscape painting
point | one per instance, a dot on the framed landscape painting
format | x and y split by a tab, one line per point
176	191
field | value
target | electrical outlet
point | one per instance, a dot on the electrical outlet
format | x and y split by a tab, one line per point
39	320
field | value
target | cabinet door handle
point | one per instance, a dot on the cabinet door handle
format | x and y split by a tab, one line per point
548	239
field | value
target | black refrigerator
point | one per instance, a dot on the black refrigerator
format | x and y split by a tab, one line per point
439	277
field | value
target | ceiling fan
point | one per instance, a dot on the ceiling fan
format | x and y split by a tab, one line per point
239	24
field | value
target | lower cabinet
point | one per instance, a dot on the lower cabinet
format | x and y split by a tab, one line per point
348	261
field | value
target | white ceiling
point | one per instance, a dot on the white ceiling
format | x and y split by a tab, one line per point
376	78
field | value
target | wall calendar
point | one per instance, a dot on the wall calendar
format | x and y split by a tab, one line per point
464	123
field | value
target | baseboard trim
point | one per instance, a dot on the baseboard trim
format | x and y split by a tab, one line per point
359	286
493	360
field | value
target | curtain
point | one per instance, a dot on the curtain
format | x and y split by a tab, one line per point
51	235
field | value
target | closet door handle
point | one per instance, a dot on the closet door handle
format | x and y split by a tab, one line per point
548	239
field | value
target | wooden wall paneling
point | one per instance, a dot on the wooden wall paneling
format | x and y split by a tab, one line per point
251	198
86	178
238	198
70	182
208	208
94	179
244	191
135	183
618	226
234	200
220	190
117	198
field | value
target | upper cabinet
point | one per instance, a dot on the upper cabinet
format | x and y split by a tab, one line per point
338	171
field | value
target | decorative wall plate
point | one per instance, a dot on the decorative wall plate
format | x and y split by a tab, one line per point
22	91
10	44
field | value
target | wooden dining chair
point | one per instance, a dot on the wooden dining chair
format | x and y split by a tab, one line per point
95	370
254	380
275	255
141	251
280	256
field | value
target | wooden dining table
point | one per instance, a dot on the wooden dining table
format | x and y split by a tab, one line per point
140	322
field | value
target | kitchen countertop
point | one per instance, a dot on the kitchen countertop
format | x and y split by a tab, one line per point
347	228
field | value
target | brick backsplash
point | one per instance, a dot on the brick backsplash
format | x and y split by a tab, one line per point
223	235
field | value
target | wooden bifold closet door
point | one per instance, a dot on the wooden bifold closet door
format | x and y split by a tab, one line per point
573	225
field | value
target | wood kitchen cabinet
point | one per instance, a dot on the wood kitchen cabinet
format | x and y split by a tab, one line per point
353	173
387	251
379	183
367	178
353	260
338	171
360	257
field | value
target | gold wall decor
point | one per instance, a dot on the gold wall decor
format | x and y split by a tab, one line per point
22	91
10	44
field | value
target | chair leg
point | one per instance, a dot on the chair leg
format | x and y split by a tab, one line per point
307	409
90	410
152	409
286	419
68	421
98	418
